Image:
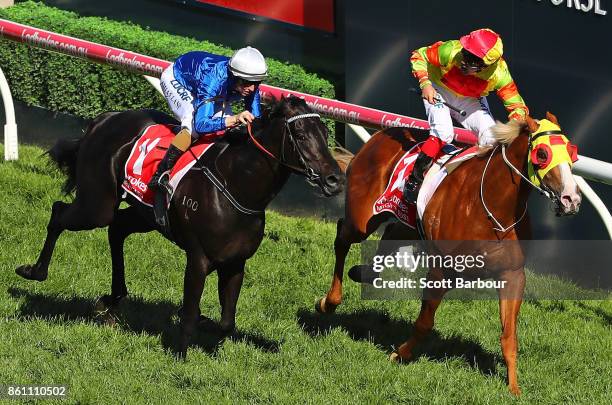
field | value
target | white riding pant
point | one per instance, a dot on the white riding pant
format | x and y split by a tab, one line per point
180	100
478	118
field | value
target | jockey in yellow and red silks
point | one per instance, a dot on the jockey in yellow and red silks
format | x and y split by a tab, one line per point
462	73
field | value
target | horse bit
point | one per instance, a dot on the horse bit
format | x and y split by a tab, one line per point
305	170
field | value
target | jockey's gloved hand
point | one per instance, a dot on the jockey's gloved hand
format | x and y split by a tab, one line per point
429	94
245	117
242	118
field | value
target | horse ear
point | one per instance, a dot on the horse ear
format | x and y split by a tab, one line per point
552	118
531	124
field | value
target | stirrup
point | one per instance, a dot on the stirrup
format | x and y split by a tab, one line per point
163	183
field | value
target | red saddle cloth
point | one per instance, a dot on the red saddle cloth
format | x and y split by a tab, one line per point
146	154
391	200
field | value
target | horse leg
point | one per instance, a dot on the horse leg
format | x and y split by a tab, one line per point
198	267
76	216
345	237
432	297
230	282
510	299
126	222
395	234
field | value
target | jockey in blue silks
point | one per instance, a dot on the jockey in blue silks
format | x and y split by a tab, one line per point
200	88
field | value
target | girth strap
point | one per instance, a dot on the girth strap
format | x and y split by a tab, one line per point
221	185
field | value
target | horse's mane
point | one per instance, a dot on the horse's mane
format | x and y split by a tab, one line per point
506	133
285	106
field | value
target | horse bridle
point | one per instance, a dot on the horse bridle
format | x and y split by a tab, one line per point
544	190
305	169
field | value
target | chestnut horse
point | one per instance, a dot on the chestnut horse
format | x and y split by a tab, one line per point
457	212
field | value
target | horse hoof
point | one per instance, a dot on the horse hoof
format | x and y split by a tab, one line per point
106	318
514	390
103	310
323	307
395	357
31	272
104	304
227	328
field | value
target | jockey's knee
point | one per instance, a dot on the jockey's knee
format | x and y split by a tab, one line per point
486	138
182	140
445	134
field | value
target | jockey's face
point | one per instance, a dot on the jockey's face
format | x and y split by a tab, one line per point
470	64
244	87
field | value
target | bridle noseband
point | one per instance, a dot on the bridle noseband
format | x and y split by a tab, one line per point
305	169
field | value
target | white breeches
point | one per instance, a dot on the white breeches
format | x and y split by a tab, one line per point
478	118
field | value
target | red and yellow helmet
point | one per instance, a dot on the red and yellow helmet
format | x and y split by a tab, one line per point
484	43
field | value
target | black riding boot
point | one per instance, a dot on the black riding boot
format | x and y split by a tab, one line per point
159	183
411	187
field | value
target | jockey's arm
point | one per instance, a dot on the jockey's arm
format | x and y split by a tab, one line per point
428	57
420	61
508	93
204	122
204	106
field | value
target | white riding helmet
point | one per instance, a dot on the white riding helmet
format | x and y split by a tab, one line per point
249	64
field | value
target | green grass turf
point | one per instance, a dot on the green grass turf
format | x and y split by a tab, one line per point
283	351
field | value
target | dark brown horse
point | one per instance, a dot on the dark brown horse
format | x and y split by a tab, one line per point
456	212
215	233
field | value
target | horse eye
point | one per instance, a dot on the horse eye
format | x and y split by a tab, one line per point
542	155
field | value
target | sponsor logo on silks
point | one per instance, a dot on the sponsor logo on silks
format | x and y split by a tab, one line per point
182	91
137	183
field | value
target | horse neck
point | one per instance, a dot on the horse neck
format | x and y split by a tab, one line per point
512	191
258	177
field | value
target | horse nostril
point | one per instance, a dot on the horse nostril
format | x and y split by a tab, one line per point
332	180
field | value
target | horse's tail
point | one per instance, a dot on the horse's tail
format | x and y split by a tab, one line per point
64	154
342	156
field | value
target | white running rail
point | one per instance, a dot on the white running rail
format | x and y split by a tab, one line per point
11	150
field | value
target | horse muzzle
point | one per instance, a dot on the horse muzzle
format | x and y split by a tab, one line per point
568	203
332	184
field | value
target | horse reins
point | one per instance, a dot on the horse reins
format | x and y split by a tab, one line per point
305	170
544	190
500	227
